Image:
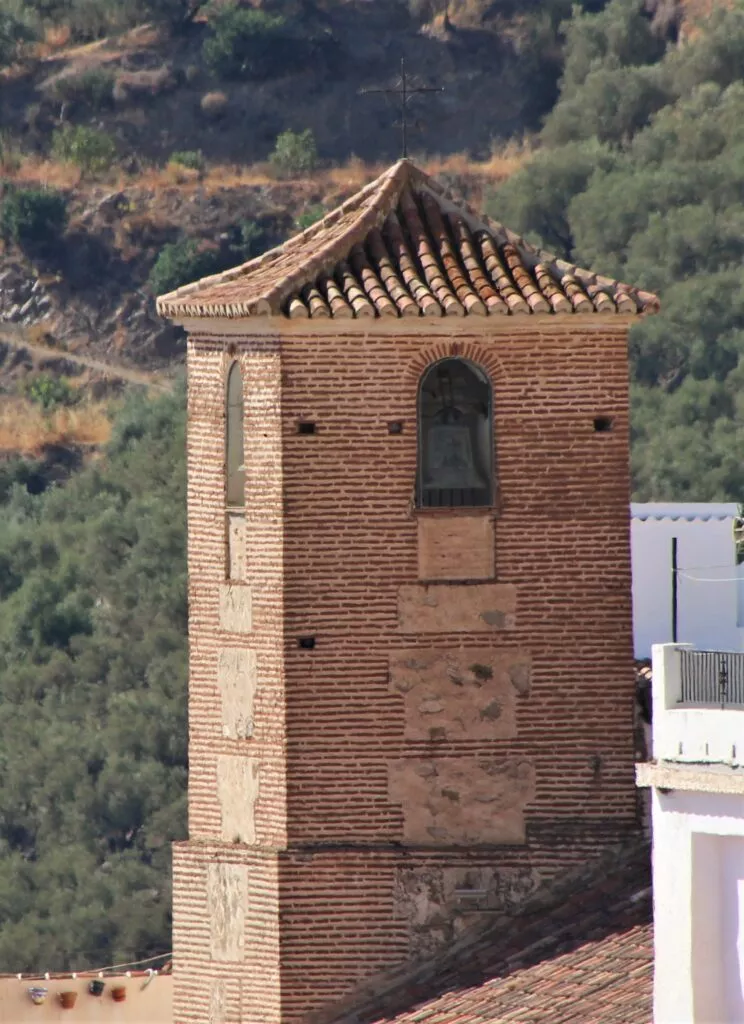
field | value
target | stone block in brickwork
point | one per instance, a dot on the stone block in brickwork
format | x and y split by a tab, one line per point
440	902
457	608
455	547
227	890
459	694
237	792
217	1002
461	801
236	679
236	545
235	607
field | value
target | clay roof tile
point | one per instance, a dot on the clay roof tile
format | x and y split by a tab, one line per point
434	256
579	949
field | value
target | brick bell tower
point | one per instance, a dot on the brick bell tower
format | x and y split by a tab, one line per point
411	678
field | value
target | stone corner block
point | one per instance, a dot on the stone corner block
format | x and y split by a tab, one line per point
237	793
236	614
237	681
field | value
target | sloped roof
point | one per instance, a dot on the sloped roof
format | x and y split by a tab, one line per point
403	247
583	954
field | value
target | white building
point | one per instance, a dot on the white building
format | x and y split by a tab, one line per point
697	780
709	593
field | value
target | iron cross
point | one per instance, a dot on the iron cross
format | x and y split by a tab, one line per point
405	89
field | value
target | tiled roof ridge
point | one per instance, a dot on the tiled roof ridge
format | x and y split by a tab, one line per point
616	874
404	245
384	184
535	254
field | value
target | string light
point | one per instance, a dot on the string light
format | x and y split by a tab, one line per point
100	971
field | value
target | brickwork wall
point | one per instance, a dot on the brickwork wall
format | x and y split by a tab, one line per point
215	982
237	772
208	363
333	554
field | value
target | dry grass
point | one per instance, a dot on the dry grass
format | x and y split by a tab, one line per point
25	427
505	159
52	173
346	178
57	37
177	174
214	104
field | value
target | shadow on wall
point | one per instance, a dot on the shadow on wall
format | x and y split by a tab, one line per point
504	968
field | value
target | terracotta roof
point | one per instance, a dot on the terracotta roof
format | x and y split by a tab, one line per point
401	247
582	955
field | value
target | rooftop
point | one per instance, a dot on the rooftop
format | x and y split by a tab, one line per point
687	511
404	247
581	951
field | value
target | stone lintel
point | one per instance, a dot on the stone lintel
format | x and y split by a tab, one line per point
700	778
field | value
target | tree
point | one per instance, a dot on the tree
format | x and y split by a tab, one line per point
657	200
32	217
246	42
16	27
93	707
295	153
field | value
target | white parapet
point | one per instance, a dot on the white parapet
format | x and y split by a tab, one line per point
700	731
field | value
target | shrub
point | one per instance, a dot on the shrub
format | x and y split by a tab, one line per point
251	241
32	216
213	104
247	43
49	391
15	29
10	154
93	87
176	13
193	159
295	153
141	86
309	217
92	151
182	262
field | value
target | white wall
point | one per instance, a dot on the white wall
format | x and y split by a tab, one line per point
696	734
698	908
708	613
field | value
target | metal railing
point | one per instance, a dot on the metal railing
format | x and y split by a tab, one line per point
712	678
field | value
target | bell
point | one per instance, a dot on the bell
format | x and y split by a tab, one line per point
449	462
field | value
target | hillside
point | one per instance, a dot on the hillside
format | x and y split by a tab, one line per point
156	90
109	195
152	141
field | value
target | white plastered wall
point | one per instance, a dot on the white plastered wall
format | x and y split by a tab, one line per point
710	603
698	908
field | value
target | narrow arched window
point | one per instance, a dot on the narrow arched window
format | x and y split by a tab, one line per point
234	461
455	436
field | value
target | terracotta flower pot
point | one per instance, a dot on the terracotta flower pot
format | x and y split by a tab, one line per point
68	999
37	995
96	987
119	993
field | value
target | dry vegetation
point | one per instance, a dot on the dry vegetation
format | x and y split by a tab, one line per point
27	429
334	182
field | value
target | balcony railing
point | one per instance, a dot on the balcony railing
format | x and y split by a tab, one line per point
698	705
711	679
